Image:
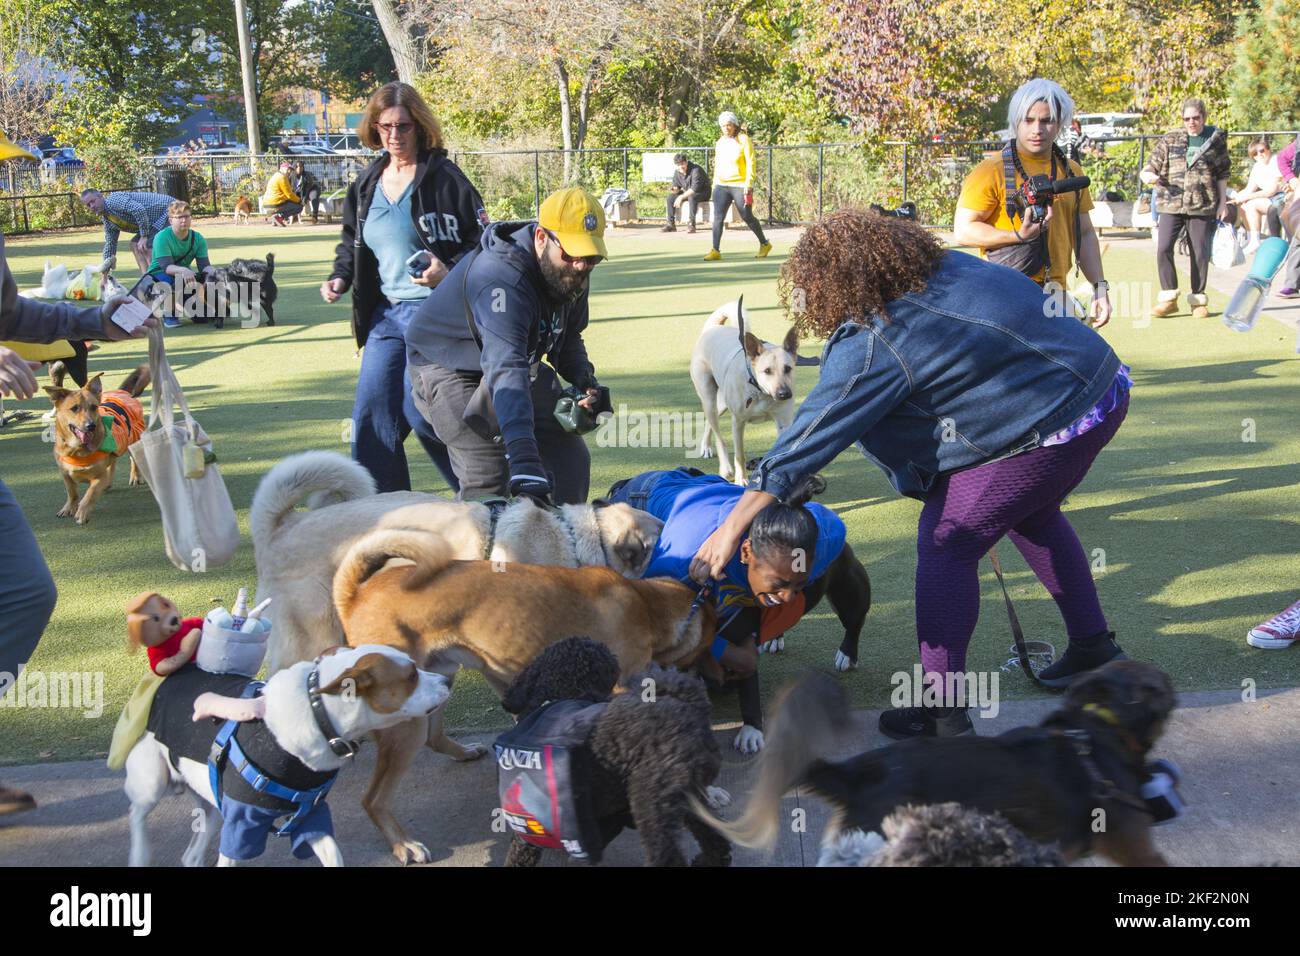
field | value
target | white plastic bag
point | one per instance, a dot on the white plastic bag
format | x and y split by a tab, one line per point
199	526
1226	250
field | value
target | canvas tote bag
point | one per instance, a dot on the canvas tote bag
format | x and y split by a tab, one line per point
199	526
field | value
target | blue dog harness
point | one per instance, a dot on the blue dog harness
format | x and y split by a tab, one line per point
226	751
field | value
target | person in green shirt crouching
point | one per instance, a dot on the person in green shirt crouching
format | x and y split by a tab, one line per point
177	251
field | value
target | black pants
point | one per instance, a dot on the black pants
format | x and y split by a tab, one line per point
287	209
311	199
1200	231
693	203
441	396
723	197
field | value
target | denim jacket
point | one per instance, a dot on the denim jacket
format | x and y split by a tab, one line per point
971	369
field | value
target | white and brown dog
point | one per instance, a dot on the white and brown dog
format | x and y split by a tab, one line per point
297	734
735	371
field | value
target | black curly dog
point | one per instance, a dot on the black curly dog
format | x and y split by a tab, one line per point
647	755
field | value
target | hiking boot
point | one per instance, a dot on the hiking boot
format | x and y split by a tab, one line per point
668	228
904	722
1082	656
15	801
763	250
1162	309
713	255
1277	632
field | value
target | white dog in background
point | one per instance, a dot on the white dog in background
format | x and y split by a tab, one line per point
754	381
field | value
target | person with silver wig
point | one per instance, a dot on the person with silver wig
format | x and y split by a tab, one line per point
989	218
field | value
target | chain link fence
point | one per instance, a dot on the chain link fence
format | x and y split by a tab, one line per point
793	185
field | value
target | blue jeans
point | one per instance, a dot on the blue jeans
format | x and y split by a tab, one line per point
27	592
384	413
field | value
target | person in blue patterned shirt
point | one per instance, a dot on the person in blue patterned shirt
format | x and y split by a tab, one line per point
144	214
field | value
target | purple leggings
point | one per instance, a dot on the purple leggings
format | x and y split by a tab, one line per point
968	511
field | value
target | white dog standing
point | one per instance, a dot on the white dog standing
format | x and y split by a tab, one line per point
313	714
753	382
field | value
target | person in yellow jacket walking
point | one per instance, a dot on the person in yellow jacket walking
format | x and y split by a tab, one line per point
280	197
733	179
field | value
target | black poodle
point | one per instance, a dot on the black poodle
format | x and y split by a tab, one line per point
649	749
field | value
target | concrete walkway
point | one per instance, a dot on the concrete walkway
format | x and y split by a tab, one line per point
1240	763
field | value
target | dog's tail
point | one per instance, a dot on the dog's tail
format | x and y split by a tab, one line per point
430	552
326	476
810	714
721	315
270	264
135	383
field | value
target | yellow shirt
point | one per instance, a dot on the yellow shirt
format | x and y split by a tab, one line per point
985	190
733	161
278	190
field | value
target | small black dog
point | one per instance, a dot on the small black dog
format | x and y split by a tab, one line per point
648	754
244	281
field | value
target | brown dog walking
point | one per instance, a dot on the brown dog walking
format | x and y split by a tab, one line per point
92	430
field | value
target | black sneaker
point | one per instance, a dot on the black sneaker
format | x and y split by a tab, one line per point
1080	657
903	722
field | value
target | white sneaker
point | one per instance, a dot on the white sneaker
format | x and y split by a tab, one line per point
1277	632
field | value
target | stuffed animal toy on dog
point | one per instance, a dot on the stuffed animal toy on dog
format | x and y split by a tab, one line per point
154	623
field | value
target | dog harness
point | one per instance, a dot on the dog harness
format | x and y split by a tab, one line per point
543	778
254	781
123	419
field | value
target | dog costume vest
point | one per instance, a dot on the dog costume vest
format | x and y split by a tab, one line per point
248	814
123	418
543	776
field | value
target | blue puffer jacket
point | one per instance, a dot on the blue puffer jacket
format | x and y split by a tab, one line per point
692	508
971	369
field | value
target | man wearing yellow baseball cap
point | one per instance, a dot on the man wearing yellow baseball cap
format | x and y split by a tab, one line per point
27	592
475	354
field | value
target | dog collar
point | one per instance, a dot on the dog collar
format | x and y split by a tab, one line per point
340	746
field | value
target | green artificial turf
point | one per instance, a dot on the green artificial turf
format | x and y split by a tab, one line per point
1190	525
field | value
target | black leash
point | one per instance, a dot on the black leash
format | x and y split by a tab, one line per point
740	324
1016	632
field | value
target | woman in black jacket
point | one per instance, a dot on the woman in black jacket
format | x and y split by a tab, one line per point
411	201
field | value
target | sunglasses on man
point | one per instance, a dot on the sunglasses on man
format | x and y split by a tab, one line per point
590	260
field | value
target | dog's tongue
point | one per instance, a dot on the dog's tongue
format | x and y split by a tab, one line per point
82	435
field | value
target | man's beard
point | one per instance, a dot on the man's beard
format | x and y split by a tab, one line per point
563	284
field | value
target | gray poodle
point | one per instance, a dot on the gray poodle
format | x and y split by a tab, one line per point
944	834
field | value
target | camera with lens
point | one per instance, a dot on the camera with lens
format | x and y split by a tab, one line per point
1036	193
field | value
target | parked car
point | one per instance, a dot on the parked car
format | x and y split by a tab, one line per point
63	157
1107	125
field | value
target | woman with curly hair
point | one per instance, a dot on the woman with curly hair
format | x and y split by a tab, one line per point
941	368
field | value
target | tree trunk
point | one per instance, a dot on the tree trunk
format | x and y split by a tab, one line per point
584	100
566	118
399	39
